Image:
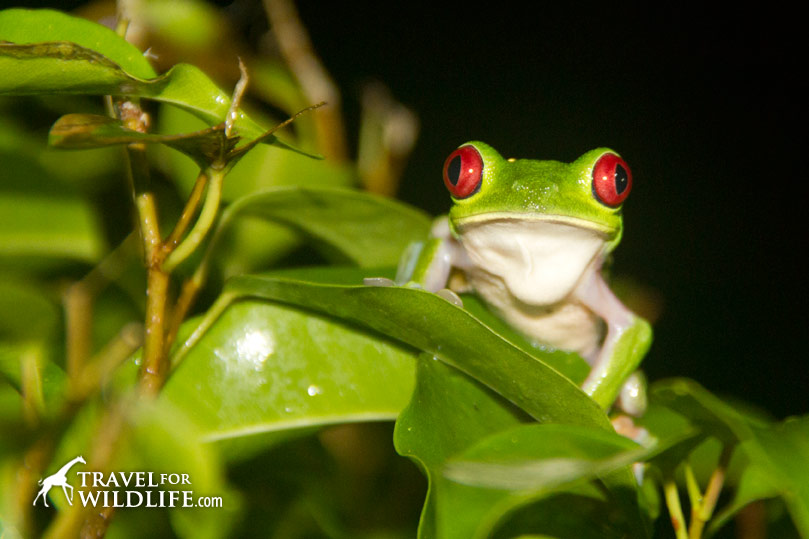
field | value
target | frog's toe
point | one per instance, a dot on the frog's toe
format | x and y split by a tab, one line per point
625	426
450	296
633	399
378	281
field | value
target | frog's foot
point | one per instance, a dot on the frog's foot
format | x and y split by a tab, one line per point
450	296
633	399
378	281
625	426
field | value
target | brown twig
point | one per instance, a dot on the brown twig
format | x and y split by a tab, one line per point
188	294
77	302
298	52
189	211
78	306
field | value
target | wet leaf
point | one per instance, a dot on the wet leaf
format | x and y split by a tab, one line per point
421	320
269	368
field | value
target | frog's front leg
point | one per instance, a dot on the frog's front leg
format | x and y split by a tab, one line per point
428	264
627	341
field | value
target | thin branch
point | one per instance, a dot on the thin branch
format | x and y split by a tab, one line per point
154	367
101	366
211	315
189	211
694	492
675	509
154	364
207	216
188	294
706	509
77	301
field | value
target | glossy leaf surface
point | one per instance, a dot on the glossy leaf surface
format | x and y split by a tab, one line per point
47	54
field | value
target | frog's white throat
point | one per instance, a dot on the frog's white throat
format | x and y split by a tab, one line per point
539	261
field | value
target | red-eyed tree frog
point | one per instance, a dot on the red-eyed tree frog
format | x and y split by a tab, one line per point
530	238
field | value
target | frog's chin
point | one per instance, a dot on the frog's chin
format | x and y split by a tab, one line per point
539	261
607	232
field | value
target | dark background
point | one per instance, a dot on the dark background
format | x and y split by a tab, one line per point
709	109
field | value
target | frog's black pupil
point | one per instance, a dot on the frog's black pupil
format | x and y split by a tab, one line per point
454	170
621	179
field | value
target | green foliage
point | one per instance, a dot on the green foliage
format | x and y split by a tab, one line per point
273	361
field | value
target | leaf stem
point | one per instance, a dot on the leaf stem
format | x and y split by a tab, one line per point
694	493
190	209
188	293
207	216
77	301
675	509
706	508
78	307
211	315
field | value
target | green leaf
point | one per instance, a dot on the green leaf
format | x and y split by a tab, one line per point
264	166
705	410
83	131
578	513
365	229
45	25
782	450
267	368
454	425
165	441
448	413
676	436
754	484
30	166
26	312
569	364
528	462
422	320
36	227
778	454
541	457
429	323
56	62
158	438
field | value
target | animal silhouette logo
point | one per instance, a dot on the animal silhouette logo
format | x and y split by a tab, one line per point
59	479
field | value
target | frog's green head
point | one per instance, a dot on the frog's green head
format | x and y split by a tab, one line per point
586	193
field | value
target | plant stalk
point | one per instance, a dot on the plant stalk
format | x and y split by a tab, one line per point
207	216
703	513
190	209
675	509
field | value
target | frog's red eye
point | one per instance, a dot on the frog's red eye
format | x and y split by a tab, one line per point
463	171
612	180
